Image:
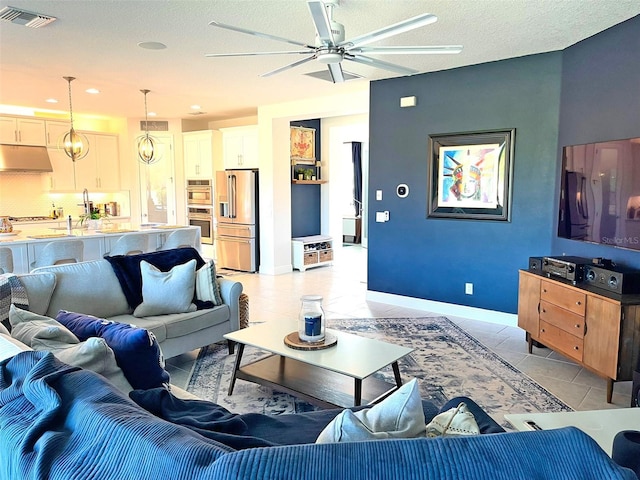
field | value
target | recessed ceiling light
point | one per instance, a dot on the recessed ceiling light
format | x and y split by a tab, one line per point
93	91
152	45
51	100
195	107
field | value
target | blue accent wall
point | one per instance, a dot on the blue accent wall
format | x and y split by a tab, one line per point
305	199
542	97
601	101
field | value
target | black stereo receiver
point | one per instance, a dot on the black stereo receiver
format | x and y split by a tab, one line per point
567	268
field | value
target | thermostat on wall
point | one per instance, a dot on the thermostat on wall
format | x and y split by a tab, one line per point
402	190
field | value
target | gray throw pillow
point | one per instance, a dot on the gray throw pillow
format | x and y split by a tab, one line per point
207	287
167	292
29	327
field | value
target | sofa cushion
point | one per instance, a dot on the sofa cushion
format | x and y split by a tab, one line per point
166	292
9	346
88	287
398	416
136	349
39	287
33	329
207	287
127	268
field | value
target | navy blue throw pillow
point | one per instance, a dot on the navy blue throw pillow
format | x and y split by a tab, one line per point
136	349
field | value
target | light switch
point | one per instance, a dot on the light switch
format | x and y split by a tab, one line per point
378	194
381	217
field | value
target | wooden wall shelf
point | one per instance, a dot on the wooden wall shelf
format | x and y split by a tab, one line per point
308	182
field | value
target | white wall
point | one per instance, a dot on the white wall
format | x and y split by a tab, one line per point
275	181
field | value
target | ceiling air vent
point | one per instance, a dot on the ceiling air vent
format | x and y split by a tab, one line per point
326	75
154	126
22	17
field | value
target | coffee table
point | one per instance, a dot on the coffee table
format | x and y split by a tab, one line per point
338	376
601	425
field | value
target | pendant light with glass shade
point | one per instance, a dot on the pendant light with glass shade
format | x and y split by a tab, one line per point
74	144
148	151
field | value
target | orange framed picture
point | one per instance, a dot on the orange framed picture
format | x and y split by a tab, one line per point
303	145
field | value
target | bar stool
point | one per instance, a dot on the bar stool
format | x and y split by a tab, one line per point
63	251
6	260
181	238
130	244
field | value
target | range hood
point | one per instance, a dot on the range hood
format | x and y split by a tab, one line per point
22	158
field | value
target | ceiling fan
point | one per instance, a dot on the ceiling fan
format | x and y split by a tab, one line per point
331	48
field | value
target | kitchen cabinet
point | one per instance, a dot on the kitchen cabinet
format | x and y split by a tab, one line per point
22	131
63	176
312	251
198	154
598	331
100	169
240	147
56	132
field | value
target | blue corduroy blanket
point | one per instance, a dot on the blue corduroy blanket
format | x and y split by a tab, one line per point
60	422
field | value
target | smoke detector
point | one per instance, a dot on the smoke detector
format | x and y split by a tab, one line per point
23	17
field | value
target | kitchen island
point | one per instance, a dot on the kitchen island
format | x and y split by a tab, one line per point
28	240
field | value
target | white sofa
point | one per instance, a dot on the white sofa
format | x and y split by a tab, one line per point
93	288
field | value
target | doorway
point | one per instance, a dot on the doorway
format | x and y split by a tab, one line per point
157	186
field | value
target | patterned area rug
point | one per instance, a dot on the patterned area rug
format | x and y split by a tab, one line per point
447	361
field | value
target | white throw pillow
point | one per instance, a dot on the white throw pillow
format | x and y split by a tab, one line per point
398	416
207	287
28	327
166	292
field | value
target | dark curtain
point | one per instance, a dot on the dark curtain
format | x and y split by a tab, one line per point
356	153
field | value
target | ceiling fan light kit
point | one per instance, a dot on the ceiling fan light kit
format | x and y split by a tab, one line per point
331	48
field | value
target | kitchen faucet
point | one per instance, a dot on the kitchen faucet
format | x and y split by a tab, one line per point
85	200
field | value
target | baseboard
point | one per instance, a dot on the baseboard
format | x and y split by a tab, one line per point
474	313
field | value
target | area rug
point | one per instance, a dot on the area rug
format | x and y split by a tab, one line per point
447	361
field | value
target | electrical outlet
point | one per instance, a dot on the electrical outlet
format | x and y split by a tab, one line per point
468	288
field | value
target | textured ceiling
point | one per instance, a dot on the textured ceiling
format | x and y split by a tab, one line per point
96	42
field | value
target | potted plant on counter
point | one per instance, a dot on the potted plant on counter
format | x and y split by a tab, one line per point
93	220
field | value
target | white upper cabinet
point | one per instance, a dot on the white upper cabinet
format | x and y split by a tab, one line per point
22	131
198	154
100	169
240	147
56	132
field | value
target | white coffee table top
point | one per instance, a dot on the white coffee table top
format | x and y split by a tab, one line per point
601	425
355	356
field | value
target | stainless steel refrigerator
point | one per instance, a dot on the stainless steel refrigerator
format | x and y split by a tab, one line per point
237	237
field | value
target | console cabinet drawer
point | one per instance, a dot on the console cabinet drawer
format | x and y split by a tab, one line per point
563	341
565	320
565	297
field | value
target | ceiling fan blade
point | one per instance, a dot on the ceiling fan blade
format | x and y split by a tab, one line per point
287	67
390	30
380	64
258	34
406	50
248	54
335	69
321	21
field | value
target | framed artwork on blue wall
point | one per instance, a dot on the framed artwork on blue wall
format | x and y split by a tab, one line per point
470	175
303	145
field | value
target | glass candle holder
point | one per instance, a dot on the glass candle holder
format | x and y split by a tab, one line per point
311	325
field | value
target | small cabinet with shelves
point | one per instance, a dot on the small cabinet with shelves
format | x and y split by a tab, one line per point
22	131
198	154
240	147
312	251
100	169
596	330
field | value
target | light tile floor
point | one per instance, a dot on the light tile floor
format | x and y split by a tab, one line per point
343	287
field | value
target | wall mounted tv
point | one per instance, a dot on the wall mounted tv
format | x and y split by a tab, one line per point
600	193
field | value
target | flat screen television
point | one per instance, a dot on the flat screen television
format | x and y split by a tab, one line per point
600	193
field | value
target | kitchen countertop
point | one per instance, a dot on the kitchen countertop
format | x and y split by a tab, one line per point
40	231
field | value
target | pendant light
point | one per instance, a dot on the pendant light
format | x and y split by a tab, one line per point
147	145
75	145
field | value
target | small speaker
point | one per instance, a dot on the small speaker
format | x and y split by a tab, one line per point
613	279
535	264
